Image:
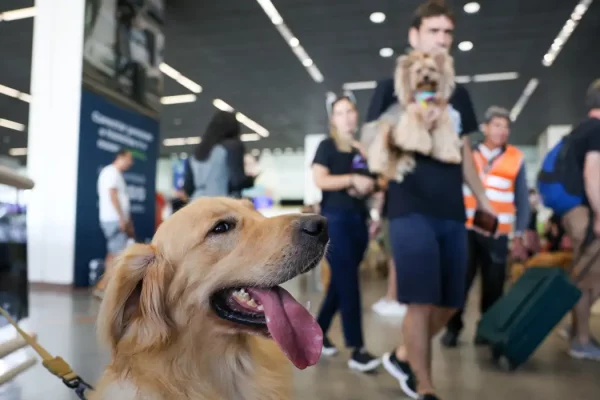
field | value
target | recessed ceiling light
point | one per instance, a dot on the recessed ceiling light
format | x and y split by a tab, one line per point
472	7
294	42
307	63
377	17
386	52
465	46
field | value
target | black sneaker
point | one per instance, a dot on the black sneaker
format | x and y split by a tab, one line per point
363	361
428	397
401	371
328	348
450	339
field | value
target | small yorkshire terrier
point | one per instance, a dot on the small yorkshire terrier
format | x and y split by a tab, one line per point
424	83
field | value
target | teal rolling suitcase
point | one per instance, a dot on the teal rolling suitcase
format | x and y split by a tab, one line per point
520	321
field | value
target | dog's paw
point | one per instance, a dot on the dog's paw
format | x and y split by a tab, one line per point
448	154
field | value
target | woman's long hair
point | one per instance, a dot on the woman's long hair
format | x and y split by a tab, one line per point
341	143
222	126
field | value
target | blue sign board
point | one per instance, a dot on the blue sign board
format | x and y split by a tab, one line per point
106	128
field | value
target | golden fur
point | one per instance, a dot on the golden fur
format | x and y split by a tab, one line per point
166	341
420	129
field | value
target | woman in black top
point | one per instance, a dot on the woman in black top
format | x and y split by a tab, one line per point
341	172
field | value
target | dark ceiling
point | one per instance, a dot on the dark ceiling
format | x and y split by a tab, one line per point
233	50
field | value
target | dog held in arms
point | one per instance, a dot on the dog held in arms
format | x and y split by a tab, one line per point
198	314
421	122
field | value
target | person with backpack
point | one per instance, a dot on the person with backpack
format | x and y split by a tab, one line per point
217	166
569	184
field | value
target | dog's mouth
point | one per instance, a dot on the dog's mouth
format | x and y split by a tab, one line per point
275	313
427	85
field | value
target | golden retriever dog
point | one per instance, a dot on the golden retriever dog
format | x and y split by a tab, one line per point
424	83
198	314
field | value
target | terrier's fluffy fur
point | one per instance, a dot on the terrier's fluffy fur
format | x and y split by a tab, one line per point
412	127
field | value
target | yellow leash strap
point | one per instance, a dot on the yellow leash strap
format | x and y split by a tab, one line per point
56	365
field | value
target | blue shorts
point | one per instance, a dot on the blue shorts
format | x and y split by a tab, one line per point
431	260
116	240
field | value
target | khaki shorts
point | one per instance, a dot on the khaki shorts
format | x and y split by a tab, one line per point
576	223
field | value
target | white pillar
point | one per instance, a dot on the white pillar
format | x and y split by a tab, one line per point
312	194
56	75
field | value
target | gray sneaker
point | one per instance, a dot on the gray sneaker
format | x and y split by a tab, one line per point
587	351
566	332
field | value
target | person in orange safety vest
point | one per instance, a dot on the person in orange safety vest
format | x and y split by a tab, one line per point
502	170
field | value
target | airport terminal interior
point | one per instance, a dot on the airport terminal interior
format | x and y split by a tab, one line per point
119	117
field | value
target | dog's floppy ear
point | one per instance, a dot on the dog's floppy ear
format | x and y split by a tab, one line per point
402	79
445	64
133	312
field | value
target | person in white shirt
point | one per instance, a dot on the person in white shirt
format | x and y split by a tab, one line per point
114	211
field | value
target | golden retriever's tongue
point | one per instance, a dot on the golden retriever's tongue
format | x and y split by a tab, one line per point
291	326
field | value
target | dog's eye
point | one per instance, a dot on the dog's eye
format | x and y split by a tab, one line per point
222	227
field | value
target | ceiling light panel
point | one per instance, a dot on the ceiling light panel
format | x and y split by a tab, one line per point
493	77
498	76
178	99
14	15
565	32
6	123
180	78
252	124
221	105
7	91
522	101
364	85
291	40
18	151
181	141
243	119
250	137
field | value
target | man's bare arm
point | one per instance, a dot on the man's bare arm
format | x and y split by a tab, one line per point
114	198
591	177
472	178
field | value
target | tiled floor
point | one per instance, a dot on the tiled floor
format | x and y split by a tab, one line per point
65	324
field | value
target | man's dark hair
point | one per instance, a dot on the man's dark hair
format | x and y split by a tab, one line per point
592	99
431	8
122	152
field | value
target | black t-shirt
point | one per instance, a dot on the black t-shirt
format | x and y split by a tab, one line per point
340	163
584	139
433	188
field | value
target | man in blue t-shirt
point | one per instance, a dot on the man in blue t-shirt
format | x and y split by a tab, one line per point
427	221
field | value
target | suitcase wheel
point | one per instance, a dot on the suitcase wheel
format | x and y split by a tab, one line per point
502	361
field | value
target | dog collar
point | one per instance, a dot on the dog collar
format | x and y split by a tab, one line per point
424	97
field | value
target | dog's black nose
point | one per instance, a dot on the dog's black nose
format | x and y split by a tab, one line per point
426	78
315	226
